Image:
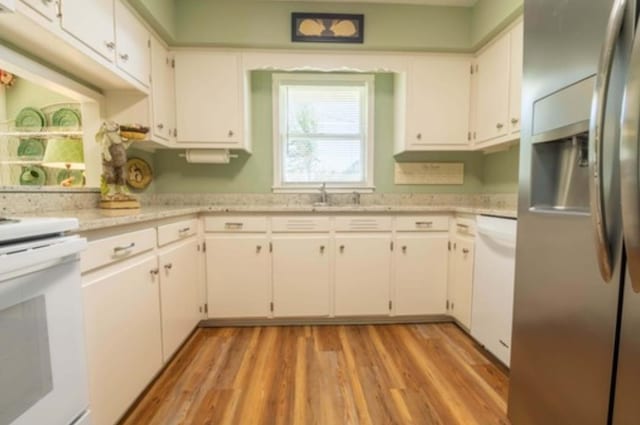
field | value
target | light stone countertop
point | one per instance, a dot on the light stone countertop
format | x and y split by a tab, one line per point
94	219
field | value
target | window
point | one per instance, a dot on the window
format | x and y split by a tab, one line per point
323	131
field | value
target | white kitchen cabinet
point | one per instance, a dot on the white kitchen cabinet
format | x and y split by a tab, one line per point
179	293
420	278
132	44
433	103
163	98
492	73
123	334
515	82
362	274
46	8
92	23
239	275
301	275
462	280
210	99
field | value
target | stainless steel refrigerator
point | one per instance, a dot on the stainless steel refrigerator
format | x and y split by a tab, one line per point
576	334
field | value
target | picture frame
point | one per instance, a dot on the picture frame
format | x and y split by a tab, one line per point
327	28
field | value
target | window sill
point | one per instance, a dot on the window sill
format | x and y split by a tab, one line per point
329	189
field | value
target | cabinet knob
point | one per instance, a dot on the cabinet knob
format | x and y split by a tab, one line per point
404	249
465	251
258	249
514	121
160	126
231	133
419	136
110	45
341	249
124	57
321	249
499	125
168	266
154	272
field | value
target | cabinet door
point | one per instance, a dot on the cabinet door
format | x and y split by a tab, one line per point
123	337
362	274
238	276
132	45
463	281
515	88
493	91
92	22
420	277
208	92
162	91
179	289
301	275
438	101
46	8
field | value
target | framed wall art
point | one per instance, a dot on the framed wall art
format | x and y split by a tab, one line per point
327	27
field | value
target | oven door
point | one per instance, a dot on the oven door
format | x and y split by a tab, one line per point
43	378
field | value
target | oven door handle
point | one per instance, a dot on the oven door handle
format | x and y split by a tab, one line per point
36	257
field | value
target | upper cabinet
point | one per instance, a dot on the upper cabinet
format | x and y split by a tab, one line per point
432	104
497	86
91	22
46	8
163	97
132	44
210	100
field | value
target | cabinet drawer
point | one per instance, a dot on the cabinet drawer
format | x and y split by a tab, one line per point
105	251
363	224
176	231
235	224
465	226
427	223
300	224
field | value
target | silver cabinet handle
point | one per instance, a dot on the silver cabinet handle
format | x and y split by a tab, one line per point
341	249
321	249
124	57
419	136
154	272
110	45
258	249
404	249
168	266
465	251
504	344
234	226
231	133
121	248
499	125
183	231
160	126
596	138
514	121
629	163
424	223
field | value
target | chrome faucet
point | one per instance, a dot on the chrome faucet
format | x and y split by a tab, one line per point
323	194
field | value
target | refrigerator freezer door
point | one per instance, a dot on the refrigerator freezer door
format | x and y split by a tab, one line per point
564	312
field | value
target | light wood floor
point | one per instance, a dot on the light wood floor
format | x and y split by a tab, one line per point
327	375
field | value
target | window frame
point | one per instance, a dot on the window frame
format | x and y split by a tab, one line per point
319	79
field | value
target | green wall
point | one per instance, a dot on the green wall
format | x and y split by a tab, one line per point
24	93
488	17
501	171
254	173
160	14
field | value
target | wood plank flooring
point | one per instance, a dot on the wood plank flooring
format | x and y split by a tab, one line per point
327	375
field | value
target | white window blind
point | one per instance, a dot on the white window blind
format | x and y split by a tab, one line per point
324	131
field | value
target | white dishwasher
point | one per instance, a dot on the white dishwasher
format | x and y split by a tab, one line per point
493	282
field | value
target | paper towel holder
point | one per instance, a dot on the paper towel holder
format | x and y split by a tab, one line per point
208	156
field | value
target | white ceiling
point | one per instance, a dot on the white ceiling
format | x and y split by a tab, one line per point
465	3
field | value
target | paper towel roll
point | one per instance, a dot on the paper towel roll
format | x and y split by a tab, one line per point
208	156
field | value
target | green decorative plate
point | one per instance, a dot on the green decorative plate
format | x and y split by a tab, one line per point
33	176
65	117
30	119
31	148
78	178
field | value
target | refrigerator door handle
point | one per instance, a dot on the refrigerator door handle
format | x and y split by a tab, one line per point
629	163
596	136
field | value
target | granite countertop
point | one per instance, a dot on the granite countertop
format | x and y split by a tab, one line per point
93	219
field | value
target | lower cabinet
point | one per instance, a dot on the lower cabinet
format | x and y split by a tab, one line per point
123	335
179	294
239	276
421	273
301	275
461	292
362	274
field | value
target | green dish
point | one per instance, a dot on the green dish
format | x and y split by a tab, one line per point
31	148
65	117
33	176
78	177
30	119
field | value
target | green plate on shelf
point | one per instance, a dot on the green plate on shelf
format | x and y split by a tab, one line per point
78	177
30	119
65	117
33	176
31	148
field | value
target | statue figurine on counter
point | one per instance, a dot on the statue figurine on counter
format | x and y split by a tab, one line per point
114	191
